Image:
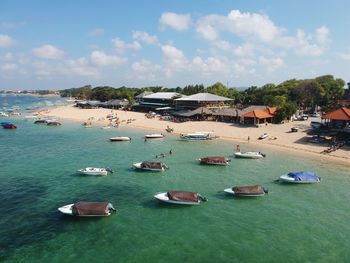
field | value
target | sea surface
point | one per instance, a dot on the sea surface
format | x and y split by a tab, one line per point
292	223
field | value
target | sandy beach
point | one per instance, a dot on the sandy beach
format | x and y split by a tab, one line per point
284	139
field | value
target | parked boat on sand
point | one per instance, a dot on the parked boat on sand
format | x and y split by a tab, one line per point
181	197
214	160
263	136
249	155
88	209
150	166
248	191
300	177
95	171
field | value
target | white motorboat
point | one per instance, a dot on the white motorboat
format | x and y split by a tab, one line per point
214	160
154	136
180	197
248	191
120	139
88	209
301	177
263	136
95	171
198	136
151	166
250	155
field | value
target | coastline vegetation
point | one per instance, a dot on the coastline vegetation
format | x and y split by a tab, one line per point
288	96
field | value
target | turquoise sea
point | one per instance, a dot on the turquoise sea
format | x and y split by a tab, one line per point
293	223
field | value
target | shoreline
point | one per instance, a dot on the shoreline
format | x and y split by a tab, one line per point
286	140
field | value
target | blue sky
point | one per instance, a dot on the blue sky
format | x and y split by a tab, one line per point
64	44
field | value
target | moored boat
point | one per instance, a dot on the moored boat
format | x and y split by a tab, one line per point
8	125
249	155
181	197
88	209
53	123
214	160
300	177
150	166
95	171
198	136
120	139
154	136
248	191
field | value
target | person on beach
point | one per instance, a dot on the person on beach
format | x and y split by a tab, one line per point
238	149
248	139
171	152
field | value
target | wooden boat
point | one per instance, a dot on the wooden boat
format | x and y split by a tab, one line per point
150	166
181	197
120	139
301	177
214	160
95	171
88	209
154	136
248	191
249	155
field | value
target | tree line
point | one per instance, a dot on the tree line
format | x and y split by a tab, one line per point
288	96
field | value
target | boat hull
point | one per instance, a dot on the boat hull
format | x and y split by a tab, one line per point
154	136
249	155
286	179
230	191
93	171
138	166
120	139
67	210
163	197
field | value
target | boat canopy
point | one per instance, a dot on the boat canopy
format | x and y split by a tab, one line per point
91	208
214	159
303	176
6	123
153	165
183	196
248	190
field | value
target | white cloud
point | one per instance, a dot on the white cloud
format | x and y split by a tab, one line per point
344	56
120	45
6	41
99	58
145	37
252	24
48	52
9	67
207	31
271	64
96	32
145	70
175	21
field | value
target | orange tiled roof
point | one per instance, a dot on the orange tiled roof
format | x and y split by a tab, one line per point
272	110
259	114
340	114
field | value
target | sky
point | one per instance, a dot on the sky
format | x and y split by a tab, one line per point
240	43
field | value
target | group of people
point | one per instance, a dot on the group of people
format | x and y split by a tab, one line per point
162	155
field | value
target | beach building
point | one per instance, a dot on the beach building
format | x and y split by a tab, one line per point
139	97
257	114
90	104
117	104
198	100
156	101
338	119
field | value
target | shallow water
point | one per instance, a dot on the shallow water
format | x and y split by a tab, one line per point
293	223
